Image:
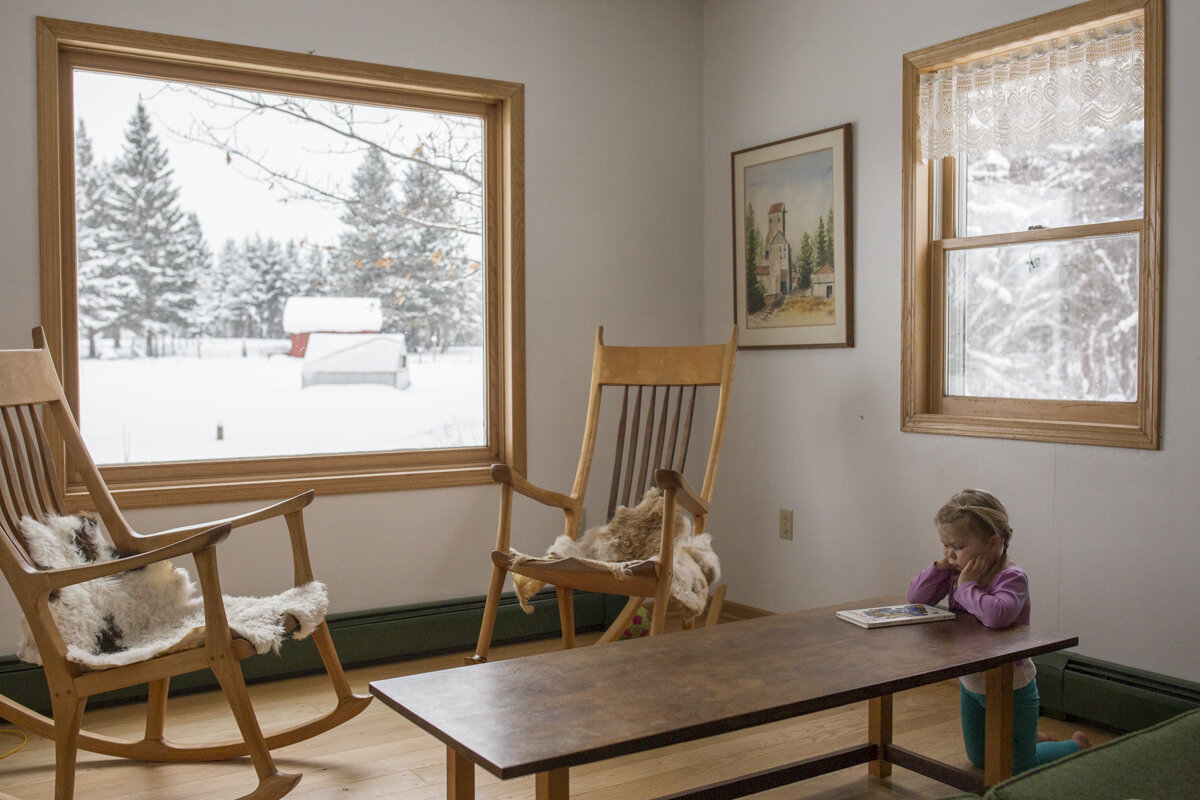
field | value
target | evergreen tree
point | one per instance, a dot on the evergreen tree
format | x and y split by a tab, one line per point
804	262
100	290
369	250
152	237
754	287
822	244
219	313
825	256
442	288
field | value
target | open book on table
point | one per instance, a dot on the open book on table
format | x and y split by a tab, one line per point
906	614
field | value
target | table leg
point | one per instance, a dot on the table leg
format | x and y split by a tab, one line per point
460	776
553	785
997	750
879	729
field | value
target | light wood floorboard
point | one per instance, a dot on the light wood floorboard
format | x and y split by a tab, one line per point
381	755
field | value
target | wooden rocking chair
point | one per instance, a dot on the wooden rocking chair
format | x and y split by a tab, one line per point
657	389
31	396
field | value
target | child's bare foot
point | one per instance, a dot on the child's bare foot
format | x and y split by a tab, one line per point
1080	738
1044	737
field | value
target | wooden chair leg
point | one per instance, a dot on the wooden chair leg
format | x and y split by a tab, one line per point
662	600
272	784
566	615
68	715
156	708
715	604
490	609
622	621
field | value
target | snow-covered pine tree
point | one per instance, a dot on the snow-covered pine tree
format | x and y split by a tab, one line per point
217	292
152	237
100	290
444	287
366	262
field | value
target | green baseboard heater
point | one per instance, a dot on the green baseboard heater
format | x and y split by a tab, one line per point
361	638
1109	695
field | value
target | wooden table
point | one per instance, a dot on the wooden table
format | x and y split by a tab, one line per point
543	714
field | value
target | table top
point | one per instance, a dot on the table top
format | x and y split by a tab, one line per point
571	707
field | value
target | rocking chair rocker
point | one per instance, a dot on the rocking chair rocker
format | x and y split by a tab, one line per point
657	387
30	397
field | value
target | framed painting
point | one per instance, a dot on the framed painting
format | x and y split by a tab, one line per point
793	243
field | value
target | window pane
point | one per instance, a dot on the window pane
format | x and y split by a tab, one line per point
1097	177
262	275
1052	321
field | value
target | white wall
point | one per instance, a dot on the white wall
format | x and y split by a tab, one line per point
612	95
1109	536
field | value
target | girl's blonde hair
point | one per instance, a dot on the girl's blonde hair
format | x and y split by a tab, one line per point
984	514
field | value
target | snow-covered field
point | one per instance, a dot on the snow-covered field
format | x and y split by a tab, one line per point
171	408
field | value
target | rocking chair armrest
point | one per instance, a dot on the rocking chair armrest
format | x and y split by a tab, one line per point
58	578
685	495
283	507
503	473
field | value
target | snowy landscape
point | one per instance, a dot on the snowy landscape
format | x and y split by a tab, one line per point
170	408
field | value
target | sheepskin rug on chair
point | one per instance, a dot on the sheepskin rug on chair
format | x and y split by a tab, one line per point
633	536
132	616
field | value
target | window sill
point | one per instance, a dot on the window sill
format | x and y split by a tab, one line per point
1108	435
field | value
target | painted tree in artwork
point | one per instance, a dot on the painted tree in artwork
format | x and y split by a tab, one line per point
825	256
822	244
804	262
754	287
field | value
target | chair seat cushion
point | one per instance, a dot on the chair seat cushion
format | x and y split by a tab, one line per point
133	616
628	548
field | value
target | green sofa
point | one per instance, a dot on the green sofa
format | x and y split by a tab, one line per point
1161	762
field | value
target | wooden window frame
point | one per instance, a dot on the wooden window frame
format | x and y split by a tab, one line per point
64	45
925	408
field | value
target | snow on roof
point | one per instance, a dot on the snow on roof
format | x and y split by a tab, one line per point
332	314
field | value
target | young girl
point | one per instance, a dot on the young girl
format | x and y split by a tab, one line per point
975	572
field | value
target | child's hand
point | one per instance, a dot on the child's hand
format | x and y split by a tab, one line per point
943	563
976	568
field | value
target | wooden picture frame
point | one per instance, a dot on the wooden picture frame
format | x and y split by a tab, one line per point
792	206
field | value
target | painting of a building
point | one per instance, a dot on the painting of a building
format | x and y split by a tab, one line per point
774	268
822	281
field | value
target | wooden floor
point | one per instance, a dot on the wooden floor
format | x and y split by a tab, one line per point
381	755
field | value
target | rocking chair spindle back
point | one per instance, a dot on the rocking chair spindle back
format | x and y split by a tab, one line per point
657	389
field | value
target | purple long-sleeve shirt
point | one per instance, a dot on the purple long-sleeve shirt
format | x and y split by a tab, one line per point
1003	602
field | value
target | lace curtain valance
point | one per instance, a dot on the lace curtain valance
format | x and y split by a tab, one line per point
1058	88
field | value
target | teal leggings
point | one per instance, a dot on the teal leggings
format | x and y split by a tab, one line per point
1027	751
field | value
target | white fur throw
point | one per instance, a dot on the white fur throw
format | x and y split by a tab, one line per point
633	536
131	616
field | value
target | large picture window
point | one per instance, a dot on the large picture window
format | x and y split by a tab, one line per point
1032	248
266	271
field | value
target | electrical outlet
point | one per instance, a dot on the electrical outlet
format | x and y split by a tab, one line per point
785	523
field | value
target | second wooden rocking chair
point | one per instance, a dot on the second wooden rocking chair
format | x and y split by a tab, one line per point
31	397
657	391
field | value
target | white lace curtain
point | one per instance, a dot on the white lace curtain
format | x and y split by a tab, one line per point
1055	89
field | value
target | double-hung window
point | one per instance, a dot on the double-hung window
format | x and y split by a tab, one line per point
1032	190
264	272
